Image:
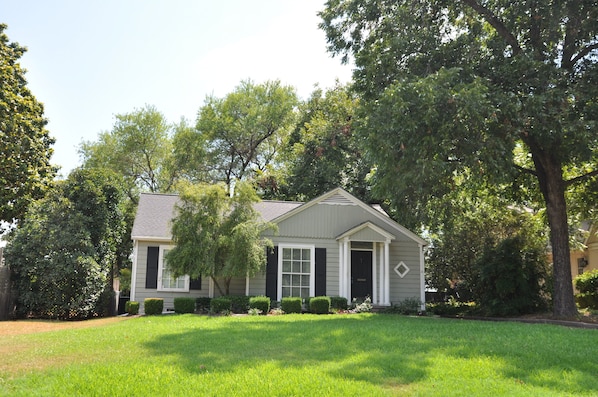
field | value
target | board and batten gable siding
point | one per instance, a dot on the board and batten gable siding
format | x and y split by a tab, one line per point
142	293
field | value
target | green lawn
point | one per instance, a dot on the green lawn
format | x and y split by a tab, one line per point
302	355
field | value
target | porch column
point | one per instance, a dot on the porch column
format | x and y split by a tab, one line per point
386	273
374	274
381	276
422	285
347	260
247	284
341	269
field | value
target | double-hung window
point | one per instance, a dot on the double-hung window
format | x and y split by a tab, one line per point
296	275
166	282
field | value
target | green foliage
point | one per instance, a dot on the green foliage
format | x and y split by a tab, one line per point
218	235
407	306
153	306
203	304
363	307
338	303
261	303
139	147
587	285
132	307
244	131
125	280
239	303
63	253
451	308
319	305
512	279
25	144
468	89
291	305
184	305
220	304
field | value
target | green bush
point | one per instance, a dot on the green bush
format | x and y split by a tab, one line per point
153	306
203	304
261	303
407	307
587	285
239	303
306	301
291	305
184	305
339	303
319	305
132	307
222	304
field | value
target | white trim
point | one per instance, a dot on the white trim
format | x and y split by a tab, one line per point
152	238
386	300
134	270
368	225
341	265
312	267
422	280
161	269
374	275
247	285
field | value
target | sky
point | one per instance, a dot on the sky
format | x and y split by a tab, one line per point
90	60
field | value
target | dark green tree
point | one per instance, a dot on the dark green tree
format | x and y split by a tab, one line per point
25	145
324	151
64	252
458	87
217	235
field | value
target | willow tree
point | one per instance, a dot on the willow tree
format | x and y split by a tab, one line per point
496	91
217	235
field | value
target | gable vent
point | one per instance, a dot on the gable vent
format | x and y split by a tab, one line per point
337	199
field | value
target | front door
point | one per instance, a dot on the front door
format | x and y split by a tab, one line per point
361	274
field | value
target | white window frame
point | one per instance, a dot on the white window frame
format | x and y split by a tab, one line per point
160	271
312	267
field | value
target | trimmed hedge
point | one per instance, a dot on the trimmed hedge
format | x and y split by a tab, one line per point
184	305
222	304
291	305
339	303
203	304
319	305
153	306
239	303
132	307
261	303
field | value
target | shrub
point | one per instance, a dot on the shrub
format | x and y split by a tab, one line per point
132	307
153	306
221	304
407	306
184	305
338	303
239	303
306	301
261	303
291	305
203	304
587	285
319	305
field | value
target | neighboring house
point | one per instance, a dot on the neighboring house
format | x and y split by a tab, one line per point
334	245
586	260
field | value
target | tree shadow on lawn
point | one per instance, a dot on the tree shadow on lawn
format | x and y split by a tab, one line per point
385	350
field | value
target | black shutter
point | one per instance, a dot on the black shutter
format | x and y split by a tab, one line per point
272	273
151	274
195	283
320	271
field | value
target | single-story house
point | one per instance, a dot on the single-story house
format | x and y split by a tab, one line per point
586	260
334	245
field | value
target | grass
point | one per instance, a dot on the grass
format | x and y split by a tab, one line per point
301	355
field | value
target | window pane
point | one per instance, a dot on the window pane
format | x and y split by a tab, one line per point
305	267
295	280
296	291
305	292
305	281
296	267
296	254
286	291
305	254
286	266
286	253
286	280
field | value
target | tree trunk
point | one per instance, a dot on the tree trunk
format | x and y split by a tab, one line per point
550	178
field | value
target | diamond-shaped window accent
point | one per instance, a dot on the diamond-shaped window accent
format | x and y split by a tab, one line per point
401	269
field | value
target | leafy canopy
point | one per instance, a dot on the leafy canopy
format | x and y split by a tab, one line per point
217	235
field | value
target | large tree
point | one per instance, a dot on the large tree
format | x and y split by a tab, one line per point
324	151
25	145
243	132
139	147
455	87
217	235
64	251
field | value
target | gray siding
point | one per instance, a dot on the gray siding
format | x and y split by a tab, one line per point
408	286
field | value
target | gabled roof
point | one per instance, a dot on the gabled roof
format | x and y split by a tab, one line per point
155	212
382	234
340	196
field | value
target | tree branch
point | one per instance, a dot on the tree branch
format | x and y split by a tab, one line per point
584	51
580	178
495	22
526	170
